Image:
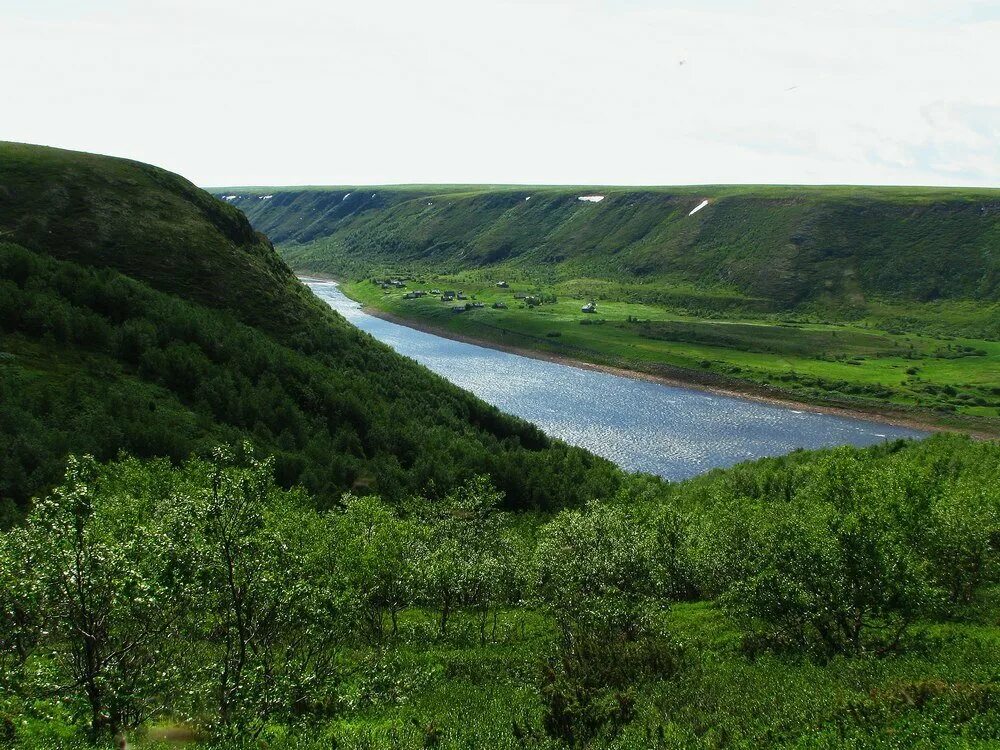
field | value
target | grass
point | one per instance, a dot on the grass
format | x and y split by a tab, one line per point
837	249
425	691
946	380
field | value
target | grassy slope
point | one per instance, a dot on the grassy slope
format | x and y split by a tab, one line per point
770	248
320	384
829	294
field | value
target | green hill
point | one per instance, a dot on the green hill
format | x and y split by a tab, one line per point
773	248
139	313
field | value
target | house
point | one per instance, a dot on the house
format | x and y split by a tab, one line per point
499	305
458	309
590	307
520	295
461	295
478	305
448	296
502	284
436	292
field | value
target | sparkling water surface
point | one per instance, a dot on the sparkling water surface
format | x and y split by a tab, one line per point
642	426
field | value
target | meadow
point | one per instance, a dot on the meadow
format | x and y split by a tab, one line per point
941	379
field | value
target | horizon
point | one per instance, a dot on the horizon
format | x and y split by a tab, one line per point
629	94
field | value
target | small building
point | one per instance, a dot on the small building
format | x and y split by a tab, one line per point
458	309
590	307
448	296
435	292
478	305
502	284
461	295
520	295
499	305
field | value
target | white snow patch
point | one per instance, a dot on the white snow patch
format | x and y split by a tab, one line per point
346	196
698	208
230	197
265	197
591	198
528	198
373	195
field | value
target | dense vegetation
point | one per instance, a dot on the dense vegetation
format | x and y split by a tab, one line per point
845	597
211	341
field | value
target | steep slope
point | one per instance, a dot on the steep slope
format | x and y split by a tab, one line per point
139	313
776	247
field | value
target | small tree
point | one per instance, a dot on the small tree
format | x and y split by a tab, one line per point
593	572
468	554
832	569
103	590
378	556
270	597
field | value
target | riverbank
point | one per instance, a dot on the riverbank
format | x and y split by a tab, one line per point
678	377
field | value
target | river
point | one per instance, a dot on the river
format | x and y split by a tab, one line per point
640	425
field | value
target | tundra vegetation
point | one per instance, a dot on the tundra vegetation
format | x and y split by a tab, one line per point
837	597
395	564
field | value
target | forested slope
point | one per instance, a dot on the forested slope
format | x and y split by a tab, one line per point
139	313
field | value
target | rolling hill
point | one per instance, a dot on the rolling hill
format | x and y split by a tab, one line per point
140	314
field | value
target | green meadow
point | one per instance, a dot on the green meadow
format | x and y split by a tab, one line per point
942	379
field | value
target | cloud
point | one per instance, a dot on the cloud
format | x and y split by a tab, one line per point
513	91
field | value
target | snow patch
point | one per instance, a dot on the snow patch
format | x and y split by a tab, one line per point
265	197
698	208
528	198
230	197
591	198
346	196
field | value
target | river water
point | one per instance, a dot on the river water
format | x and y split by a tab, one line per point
642	426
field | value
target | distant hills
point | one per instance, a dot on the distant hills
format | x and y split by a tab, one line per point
765	247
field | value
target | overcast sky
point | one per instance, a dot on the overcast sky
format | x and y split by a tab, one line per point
525	91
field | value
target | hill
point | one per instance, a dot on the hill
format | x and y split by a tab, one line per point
139	313
764	248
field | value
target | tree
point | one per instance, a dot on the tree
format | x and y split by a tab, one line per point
378	555
593	572
833	569
469	554
104	591
270	603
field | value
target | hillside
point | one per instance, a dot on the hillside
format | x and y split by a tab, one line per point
758	248
139	313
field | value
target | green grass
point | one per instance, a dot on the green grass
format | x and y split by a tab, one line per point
837	250
456	693
946	380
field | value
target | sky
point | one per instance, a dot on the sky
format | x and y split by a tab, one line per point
633	92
